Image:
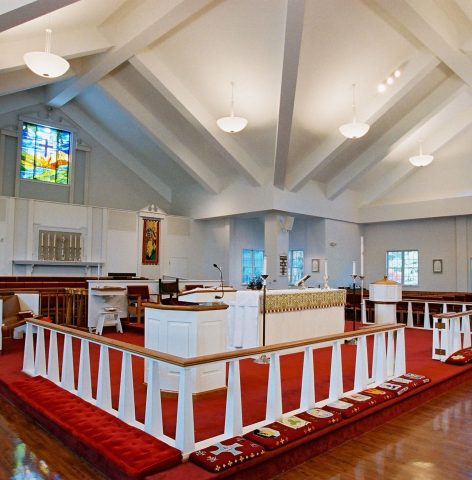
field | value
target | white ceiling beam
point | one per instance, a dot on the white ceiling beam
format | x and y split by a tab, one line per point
435	141
437	42
147	22
418	115
168	141
174	91
293	40
16	12
86	123
415	72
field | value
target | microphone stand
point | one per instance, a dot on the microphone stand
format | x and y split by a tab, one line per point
219	297
263	359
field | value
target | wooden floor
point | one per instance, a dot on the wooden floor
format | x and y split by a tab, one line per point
432	442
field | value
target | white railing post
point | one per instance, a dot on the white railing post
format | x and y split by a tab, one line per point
234	412
28	354
400	353
84	382
426	323
444	309
274	389
103	384
465	327
379	368
361	375
126	408
53	358
40	354
67	378
153	416
336	388
390	353
307	396
409	317
184	432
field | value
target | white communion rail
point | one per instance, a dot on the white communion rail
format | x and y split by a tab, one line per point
387	360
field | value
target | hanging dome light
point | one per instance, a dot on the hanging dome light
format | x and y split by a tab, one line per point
421	160
232	124
46	64
354	129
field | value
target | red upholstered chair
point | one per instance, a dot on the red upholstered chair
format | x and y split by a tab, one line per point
137	294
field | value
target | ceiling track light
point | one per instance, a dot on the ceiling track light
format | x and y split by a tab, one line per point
389	81
46	64
232	124
354	129
421	160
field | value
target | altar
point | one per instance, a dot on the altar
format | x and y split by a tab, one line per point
291	315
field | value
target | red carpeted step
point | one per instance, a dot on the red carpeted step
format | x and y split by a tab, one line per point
132	451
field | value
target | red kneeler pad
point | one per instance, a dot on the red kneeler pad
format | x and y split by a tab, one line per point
134	452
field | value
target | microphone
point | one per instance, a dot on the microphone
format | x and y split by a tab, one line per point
219	297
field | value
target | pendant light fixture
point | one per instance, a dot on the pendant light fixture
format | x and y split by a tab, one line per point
46	64
232	124
354	129
421	160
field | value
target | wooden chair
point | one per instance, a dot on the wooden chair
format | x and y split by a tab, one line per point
137	294
167	291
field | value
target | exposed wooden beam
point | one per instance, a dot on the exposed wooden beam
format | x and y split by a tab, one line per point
147	22
168	141
416	71
174	91
86	123
418	115
293	40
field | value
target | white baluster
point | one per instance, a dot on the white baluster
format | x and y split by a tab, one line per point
307	396
400	354
84	383
40	357
444	337
379	368
153	415
184	434
103	385
336	388
361	375
436	339
28	354
455	337
465	328
274	389
234	415
409	318
363	312
426	323
444	309
53	358
390	353
126	408
67	378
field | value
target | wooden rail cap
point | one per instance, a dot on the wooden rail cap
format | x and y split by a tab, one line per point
452	314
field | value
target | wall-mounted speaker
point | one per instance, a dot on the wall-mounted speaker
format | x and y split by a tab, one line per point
286	223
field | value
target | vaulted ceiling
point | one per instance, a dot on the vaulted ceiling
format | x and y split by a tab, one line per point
149	78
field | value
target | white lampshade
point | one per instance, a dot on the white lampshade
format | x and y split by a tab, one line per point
354	129
421	160
46	64
231	124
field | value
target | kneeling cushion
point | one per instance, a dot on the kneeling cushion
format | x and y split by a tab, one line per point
279	433
226	454
320	418
461	357
378	395
346	409
395	388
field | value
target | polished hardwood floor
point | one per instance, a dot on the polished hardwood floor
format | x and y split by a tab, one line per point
431	442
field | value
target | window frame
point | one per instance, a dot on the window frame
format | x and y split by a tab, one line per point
404	266
291	268
254	267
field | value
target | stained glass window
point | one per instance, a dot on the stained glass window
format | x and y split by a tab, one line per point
45	154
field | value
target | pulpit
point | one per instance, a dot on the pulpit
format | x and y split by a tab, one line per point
385	294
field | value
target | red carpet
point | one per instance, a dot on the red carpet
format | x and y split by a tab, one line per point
209	409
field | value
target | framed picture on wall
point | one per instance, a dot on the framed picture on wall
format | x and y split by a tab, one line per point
150	254
315	264
437	265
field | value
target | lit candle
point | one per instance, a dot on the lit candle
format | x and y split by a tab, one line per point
353	268
264	268
326	268
362	256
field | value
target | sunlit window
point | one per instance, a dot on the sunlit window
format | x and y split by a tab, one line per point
402	266
252	264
